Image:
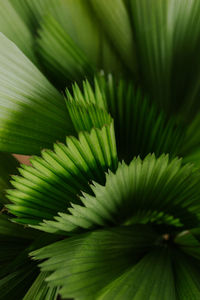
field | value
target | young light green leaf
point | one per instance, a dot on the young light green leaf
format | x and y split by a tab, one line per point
87	109
58	177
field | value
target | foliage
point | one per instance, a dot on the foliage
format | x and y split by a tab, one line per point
105	95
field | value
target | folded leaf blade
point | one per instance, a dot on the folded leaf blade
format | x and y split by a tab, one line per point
33	113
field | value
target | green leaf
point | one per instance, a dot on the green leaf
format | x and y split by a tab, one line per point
31	12
15	241
152	186
16	30
85	264
87	109
190	149
81	26
17	271
15	285
60	55
187	277
56	179
33	113
40	290
76	47
9	229
8	167
192	138
167	36
188	243
114	19
141	128
151	278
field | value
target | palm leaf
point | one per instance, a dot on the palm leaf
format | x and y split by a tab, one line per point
85	264
87	109
148	186
156	274
61	175
27	95
60	55
162	29
69	50
31	12
140	127
115	21
40	290
16	30
18	274
8	167
187	277
17	271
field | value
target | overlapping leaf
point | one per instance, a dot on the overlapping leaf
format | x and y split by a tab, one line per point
140	127
76	47
67	190
17	271
18	274
58	177
31	12
85	264
60	55
33	113
155	273
187	277
8	167
167	40
144	188
16	30
40	290
88	109
114	19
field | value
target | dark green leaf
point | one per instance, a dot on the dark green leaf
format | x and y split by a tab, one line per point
40	290
8	167
154	187
141	128
151	278
187	277
85	264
